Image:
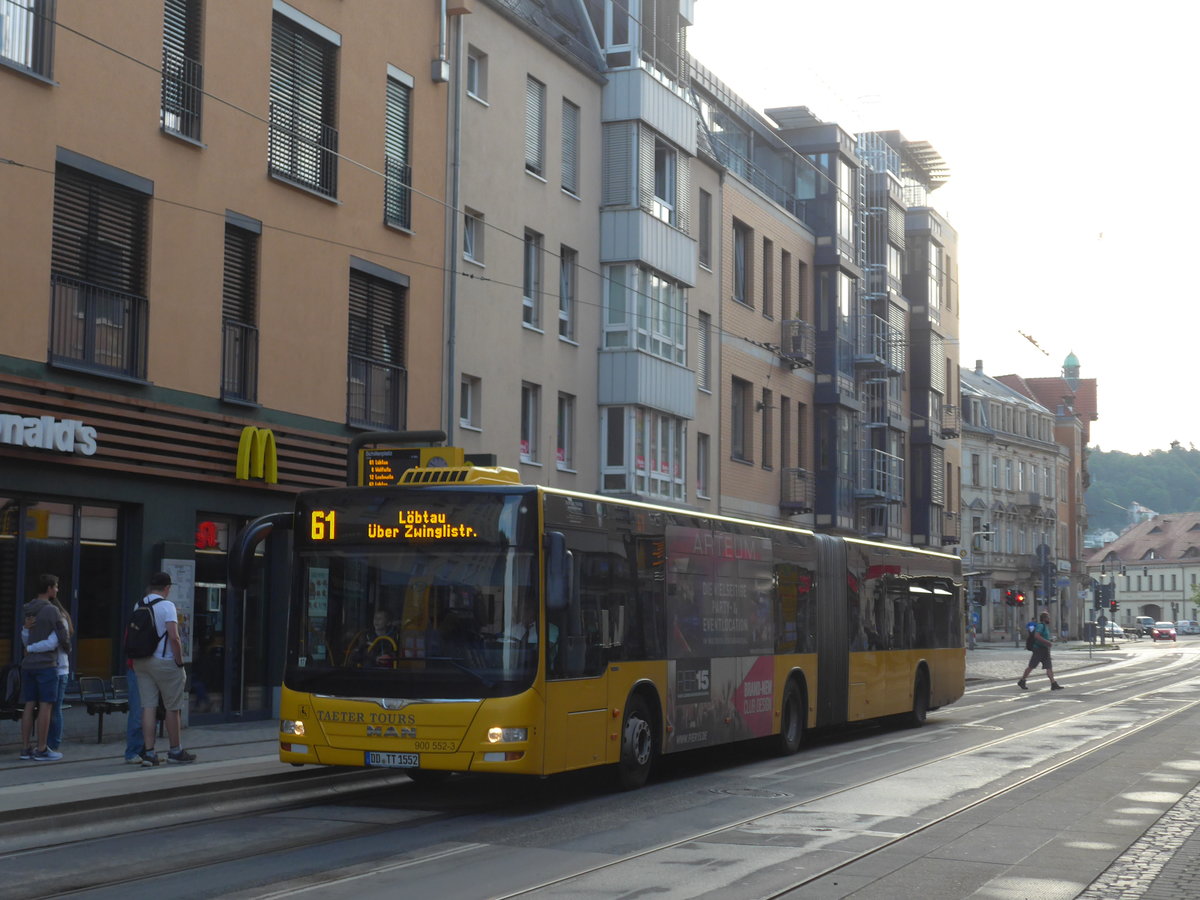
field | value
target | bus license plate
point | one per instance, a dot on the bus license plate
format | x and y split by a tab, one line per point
394	760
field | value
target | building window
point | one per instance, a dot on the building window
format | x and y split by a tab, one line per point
565	433
743	239
470	398
704	351
802	292
741	408
182	73
98	275
785	285
303	142
27	35
1008	474
531	398
397	162
570	147
531	312
702	458
643	451
568	274
377	379
473	231
705	236
663	206
239	315
614	474
535	127
995	473
645	310
477	73
767	410
975	473
768	290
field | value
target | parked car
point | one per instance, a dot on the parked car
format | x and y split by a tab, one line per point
1163	631
1145	623
1114	630
1186	626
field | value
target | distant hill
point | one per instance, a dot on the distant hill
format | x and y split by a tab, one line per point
1167	481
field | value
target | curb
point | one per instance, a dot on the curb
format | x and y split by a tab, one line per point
61	822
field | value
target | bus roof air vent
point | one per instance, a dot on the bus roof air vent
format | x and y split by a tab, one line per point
460	475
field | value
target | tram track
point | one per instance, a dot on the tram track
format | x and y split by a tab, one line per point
1145	685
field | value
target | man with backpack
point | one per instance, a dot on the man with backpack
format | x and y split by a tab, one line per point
152	642
1039	643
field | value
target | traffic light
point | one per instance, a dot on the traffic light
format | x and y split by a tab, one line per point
1020	598
1010	598
1112	606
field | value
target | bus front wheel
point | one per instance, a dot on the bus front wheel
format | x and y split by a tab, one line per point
791	720
638	745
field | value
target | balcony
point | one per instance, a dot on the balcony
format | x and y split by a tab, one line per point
796	491
302	150
798	342
881	475
376	394
239	362
951	426
97	329
182	90
879	343
950	528
397	194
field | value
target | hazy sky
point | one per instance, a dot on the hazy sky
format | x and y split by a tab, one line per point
1071	136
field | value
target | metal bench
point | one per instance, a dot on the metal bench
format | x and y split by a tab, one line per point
100	698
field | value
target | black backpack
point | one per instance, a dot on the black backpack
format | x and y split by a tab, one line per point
141	637
10	686
1031	641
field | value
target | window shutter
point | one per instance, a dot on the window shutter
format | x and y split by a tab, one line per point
376	319
683	193
237	291
535	118
397	125
618	163
100	232
570	163
645	168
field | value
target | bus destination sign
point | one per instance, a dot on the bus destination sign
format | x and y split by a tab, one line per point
326	525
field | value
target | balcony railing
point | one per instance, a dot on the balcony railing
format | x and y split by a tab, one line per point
397	193
182	90
796	491
302	149
798	342
96	328
239	362
376	394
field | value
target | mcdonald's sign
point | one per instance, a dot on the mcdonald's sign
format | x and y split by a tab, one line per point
256	456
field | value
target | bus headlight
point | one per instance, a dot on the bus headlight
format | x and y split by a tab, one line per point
288	726
497	735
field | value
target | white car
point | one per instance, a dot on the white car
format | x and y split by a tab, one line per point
1186	626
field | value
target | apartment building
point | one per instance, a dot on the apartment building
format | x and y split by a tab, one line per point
1013	537
223	238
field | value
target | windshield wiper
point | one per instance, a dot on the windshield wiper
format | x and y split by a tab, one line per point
462	667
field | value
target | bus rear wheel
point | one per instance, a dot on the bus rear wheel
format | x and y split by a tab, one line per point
920	708
638	745
791	721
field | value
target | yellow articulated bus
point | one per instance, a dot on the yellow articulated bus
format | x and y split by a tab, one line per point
460	621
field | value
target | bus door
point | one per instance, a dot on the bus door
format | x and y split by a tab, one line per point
577	702
833	654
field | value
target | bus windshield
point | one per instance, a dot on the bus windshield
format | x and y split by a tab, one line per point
415	617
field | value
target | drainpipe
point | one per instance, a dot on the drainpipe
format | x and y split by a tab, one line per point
454	177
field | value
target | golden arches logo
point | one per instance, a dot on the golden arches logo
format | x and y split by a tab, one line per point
256	457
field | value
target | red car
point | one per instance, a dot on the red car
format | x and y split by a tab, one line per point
1164	631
